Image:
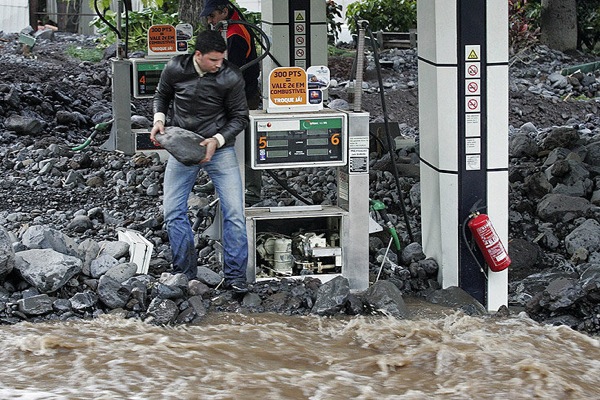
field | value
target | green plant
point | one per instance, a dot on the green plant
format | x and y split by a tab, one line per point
138	23
85	54
384	15
588	24
334	27
523	26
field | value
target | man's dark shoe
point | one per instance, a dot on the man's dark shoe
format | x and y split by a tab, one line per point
251	198
237	286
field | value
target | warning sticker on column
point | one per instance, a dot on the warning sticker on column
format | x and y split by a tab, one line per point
359	161
473	145
473	124
473	162
473	52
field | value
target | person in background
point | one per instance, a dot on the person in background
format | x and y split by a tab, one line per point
241	50
206	92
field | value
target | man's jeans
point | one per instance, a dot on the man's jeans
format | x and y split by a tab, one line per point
179	181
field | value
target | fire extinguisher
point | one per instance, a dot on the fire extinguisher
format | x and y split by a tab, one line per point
488	241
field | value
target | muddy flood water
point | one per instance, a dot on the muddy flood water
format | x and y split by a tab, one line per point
447	355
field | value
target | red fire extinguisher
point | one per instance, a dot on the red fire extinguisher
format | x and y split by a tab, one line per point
488	241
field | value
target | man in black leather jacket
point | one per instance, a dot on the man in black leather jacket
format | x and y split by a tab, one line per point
207	96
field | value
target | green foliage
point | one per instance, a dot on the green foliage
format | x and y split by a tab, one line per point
523	26
333	51
385	15
588	24
85	54
139	23
334	27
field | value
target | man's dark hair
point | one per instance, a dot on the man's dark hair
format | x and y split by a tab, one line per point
208	41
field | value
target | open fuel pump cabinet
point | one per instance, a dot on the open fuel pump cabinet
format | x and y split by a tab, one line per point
296	241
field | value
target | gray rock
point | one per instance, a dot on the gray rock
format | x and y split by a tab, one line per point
46	269
521	145
331	296
561	293
35	305
114	248
121	272
162	311
182	144
85	301
412	252
7	254
80	224
43	237
24	125
559	207
208	276
385	297
586	235
112	293
101	265
456	297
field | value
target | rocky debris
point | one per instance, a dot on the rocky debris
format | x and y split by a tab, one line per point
66	206
50	285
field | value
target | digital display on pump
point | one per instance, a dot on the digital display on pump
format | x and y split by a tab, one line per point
145	76
285	140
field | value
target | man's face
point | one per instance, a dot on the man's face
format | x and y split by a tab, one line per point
217	16
209	62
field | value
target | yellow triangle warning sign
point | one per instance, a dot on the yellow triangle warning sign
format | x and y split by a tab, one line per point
300	17
473	55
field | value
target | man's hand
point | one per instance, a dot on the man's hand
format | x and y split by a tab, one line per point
158	127
211	145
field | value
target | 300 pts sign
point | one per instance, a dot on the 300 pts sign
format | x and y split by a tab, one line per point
288	86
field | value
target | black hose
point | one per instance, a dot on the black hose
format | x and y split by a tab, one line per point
263	34
101	16
253	34
286	187
388	134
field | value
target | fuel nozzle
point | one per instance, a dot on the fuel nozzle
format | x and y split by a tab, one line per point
379	207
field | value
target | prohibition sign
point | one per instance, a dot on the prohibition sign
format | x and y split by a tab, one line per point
300	40
473	87
299	28
473	104
473	70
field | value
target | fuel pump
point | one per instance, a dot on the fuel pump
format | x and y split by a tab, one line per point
296	131
138	77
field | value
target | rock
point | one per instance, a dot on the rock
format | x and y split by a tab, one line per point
332	296
7	254
43	237
46	269
35	305
182	144
457	297
586	235
559	207
385	297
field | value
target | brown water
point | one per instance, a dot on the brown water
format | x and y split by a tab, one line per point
444	355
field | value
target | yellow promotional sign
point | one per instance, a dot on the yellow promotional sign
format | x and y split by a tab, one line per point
288	86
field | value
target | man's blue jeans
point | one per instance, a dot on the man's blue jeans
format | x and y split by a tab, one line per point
179	181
